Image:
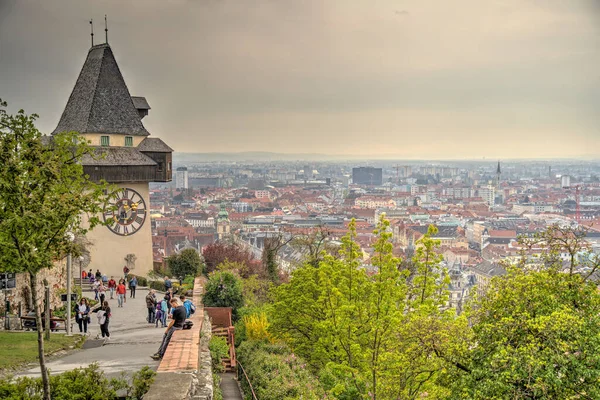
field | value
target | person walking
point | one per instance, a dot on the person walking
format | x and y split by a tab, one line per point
112	285
104	318
132	286
151	305
82	315
168	284
101	292
176	324
121	291
95	286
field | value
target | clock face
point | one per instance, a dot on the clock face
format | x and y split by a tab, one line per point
127	212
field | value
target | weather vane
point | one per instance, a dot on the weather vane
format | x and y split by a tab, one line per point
106	29
92	28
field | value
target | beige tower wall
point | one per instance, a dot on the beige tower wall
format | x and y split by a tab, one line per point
108	250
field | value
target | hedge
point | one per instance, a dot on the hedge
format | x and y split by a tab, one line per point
80	383
277	373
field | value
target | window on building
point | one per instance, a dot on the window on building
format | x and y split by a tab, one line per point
128	141
160	167
169	166
105	140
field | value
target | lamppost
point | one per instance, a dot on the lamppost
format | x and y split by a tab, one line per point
71	238
80	276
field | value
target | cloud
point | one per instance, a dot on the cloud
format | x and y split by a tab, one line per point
223	73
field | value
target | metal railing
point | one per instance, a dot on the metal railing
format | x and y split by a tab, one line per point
247	380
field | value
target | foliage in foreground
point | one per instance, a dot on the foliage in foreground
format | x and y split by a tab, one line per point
44	196
277	373
363	332
536	335
78	384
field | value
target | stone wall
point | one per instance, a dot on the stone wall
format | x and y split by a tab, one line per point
57	280
185	371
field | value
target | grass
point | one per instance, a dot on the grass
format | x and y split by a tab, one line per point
19	348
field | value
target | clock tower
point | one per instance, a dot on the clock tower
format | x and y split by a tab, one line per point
102	110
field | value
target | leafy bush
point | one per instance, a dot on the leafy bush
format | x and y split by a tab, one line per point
157	285
224	289
277	373
141	383
81	383
217	392
256	326
142	281
219	349
189	280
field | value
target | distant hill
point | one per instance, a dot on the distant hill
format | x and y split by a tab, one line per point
257	156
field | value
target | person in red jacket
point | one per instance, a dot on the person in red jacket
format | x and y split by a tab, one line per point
121	290
112	286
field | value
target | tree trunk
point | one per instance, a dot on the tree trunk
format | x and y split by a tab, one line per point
40	334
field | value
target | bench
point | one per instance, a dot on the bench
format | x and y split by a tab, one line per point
61	323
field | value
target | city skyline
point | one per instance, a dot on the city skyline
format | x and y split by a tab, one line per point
412	80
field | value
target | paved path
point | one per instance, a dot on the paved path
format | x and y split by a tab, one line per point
229	386
132	341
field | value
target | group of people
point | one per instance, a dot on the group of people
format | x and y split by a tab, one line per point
159	310
82	316
179	310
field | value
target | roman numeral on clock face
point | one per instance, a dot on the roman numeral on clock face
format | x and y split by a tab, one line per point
139	220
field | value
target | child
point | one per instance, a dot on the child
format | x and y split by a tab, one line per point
159	313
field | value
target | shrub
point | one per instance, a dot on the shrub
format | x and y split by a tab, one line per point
80	383
217	392
224	289
277	373
141	383
256	326
219	349
157	285
142	281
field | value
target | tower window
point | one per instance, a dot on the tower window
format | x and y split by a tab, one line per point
128	141
105	140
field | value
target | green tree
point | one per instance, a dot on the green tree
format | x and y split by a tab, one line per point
536	334
224	289
185	263
536	330
370	333
43	195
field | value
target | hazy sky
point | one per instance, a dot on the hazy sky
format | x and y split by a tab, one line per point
396	78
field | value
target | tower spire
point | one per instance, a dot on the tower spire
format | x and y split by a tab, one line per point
105	29
92	30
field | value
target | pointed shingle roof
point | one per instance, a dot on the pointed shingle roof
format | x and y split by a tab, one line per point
100	101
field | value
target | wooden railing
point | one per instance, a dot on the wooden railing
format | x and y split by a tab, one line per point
247	380
231	339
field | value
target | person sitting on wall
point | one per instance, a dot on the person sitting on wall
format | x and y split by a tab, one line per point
176	324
